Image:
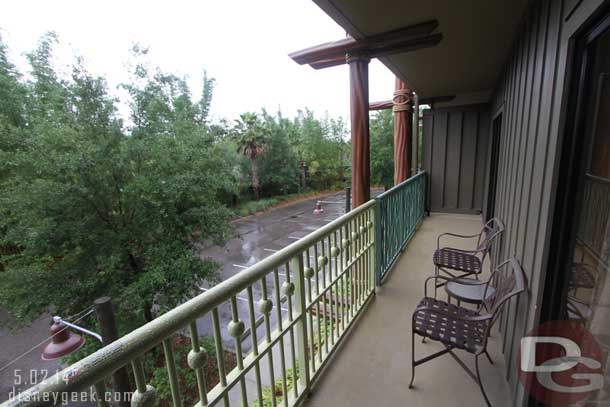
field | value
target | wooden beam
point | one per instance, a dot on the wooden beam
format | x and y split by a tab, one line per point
376	52
386	104
359	117
331	50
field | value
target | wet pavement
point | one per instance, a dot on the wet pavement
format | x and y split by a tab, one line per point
20	363
257	237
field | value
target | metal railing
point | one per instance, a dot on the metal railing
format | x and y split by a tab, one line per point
399	211
326	278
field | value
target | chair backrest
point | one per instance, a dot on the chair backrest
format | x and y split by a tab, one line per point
492	231
508	280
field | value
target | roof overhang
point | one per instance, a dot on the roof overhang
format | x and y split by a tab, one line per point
477	39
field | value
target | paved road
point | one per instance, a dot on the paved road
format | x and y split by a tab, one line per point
256	237
30	368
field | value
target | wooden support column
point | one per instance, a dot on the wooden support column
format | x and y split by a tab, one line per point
359	117
403	124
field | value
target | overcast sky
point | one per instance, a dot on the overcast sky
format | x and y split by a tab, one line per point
244	44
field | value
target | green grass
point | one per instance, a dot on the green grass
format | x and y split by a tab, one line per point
252	207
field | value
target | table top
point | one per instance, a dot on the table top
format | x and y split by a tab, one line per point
469	293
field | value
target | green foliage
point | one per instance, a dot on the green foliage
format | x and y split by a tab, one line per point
279	164
251	207
186	376
322	149
287	156
95	211
90	206
251	136
382	148
292	374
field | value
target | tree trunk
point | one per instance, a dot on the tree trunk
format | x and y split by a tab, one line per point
303	176
255	181
148	316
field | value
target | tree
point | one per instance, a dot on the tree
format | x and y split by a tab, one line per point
322	149
161	103
382	148
95	211
279	166
251	137
12	137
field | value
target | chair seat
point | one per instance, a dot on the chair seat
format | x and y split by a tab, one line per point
463	290
457	260
466	335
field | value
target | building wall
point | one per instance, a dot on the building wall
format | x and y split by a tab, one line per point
532	98
455	145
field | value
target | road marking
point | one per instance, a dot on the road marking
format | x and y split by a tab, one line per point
204	289
271	250
240	266
294	238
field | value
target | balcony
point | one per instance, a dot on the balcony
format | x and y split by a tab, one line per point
305	325
373	366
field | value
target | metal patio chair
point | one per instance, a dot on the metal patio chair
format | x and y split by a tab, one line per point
462	328
466	262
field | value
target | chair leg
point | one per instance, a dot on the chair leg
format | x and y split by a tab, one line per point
436	273
476	362
412	358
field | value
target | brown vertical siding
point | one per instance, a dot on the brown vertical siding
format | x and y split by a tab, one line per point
455	151
531	95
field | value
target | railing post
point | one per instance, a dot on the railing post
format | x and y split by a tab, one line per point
100	393
348	199
378	243
110	333
301	308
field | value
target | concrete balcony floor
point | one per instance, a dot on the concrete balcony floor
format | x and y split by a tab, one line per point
373	365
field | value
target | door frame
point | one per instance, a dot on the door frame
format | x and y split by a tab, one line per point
494	157
574	159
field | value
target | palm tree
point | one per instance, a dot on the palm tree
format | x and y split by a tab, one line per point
251	137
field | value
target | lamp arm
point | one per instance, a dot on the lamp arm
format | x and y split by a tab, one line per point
78	328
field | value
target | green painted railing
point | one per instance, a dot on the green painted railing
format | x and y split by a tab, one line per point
399	211
308	295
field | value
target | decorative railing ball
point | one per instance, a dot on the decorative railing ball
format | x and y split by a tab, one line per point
322	260
288	288
362	230
236	328
354	236
147	399
196	359
369	224
265	306
334	251
308	272
344	243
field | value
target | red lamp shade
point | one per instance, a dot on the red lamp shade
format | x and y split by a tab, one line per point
63	343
